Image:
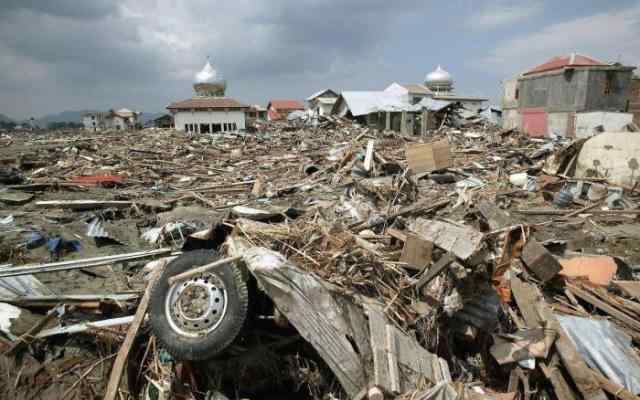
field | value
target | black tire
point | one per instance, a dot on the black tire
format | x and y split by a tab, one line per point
203	347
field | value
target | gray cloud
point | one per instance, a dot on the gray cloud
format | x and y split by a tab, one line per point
62	8
143	53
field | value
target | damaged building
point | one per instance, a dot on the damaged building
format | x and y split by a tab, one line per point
120	120
406	108
570	95
209	111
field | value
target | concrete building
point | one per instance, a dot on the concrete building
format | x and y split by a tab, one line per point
210	111
438	85
120	120
549	97
322	102
279	109
406	108
256	113
634	101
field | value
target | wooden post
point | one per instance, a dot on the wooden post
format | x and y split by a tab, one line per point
403	123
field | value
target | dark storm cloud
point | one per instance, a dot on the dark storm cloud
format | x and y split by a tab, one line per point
146	51
62	8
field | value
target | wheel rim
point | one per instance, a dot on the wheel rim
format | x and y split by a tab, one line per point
197	306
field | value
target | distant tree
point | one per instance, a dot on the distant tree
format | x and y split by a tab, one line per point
64	125
8	125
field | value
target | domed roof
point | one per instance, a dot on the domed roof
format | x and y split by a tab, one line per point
207	74
439	77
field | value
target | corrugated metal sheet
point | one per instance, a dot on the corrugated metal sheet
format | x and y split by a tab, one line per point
606	348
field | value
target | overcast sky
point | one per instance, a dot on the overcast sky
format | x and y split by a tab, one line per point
60	55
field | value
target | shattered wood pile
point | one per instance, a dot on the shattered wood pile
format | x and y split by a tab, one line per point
474	262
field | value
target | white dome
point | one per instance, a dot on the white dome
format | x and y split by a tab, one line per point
208	74
439	77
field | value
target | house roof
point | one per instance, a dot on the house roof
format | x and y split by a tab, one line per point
366	102
568	60
416	88
286	104
320	93
206	102
458	97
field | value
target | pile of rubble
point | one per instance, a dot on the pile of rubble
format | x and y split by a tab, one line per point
331	262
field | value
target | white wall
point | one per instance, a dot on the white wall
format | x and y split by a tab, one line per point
182	118
611	121
89	123
511	118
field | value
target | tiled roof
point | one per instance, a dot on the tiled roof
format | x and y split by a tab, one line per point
206	102
569	60
286	104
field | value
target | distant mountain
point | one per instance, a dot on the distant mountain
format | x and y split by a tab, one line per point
4	118
65	116
146	117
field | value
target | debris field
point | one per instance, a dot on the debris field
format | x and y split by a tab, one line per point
333	262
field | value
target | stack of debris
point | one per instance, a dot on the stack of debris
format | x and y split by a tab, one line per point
329	261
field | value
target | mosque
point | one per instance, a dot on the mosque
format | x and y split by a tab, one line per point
210	110
437	85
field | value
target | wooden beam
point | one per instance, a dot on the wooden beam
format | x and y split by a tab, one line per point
200	270
123	353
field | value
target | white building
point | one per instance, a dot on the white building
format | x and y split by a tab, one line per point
438	85
322	102
120	120
210	111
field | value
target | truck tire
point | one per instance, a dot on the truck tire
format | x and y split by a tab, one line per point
198	318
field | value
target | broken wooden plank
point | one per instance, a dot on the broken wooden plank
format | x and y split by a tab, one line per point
575	365
416	252
125	348
435	270
83	204
429	156
553	211
607	308
496	217
205	268
29	336
399	362
540	261
460	240
422	207
368	158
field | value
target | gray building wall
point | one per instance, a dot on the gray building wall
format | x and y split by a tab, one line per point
618	94
557	92
576	90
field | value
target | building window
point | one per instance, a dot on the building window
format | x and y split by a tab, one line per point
186	127
204	128
225	127
234	127
216	128
607	86
517	93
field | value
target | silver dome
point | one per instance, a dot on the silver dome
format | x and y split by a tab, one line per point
439	78
208	74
